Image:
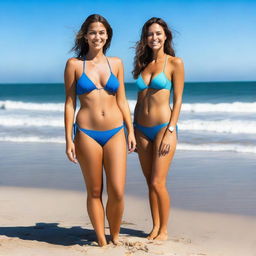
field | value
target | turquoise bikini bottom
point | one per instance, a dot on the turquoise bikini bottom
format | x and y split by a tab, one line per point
151	131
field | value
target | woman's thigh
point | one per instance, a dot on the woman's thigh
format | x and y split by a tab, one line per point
89	155
161	164
114	160
145	151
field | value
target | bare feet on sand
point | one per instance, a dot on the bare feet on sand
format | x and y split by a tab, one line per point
115	240
162	236
102	242
153	234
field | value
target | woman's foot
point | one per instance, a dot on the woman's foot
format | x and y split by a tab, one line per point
162	236
115	240
102	242
153	233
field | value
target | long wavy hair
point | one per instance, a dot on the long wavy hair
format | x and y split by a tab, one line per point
143	53
81	46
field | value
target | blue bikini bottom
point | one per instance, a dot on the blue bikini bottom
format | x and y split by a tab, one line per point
102	137
151	131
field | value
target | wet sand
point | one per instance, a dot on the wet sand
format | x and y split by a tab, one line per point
222	182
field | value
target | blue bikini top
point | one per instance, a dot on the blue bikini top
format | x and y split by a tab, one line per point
85	85
159	82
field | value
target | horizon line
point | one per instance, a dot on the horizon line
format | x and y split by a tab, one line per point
216	81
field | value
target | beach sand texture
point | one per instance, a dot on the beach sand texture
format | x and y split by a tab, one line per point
54	222
38	219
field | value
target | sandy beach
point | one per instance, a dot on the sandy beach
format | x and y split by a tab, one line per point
43	206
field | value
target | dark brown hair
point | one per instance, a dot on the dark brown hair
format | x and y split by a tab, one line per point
81	47
143	53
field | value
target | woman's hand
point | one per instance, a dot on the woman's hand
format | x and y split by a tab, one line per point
131	142
165	145
70	151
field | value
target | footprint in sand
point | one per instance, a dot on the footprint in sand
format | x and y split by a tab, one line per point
182	240
127	223
135	246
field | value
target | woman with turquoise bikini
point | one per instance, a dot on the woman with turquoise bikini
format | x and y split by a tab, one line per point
157	71
99	139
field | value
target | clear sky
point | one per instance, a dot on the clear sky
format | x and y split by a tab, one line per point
216	39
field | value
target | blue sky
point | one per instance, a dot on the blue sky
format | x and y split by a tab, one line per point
216	39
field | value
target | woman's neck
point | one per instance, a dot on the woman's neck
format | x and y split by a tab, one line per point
158	54
94	55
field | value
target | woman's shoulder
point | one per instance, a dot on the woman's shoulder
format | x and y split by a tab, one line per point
73	61
114	60
176	61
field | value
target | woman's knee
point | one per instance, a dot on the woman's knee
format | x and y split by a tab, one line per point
94	192
157	184
116	194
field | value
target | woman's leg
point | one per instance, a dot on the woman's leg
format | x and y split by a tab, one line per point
160	168
89	155
114	159
145	151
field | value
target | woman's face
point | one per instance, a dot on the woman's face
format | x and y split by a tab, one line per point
96	35
156	36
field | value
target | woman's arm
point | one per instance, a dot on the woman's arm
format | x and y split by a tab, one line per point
70	106
124	107
178	86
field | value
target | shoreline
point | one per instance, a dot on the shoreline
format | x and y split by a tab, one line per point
206	181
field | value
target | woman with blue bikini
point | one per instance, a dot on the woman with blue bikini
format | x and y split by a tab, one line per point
99	138
157	71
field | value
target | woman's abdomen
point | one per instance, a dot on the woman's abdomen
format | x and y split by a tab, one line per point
153	115
99	115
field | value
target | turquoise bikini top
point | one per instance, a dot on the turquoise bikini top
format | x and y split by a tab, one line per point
159	82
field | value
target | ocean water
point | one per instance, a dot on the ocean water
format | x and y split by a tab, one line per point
216	116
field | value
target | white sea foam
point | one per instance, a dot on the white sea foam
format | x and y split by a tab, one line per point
218	147
20	105
32	139
33	121
219	126
181	146
234	107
